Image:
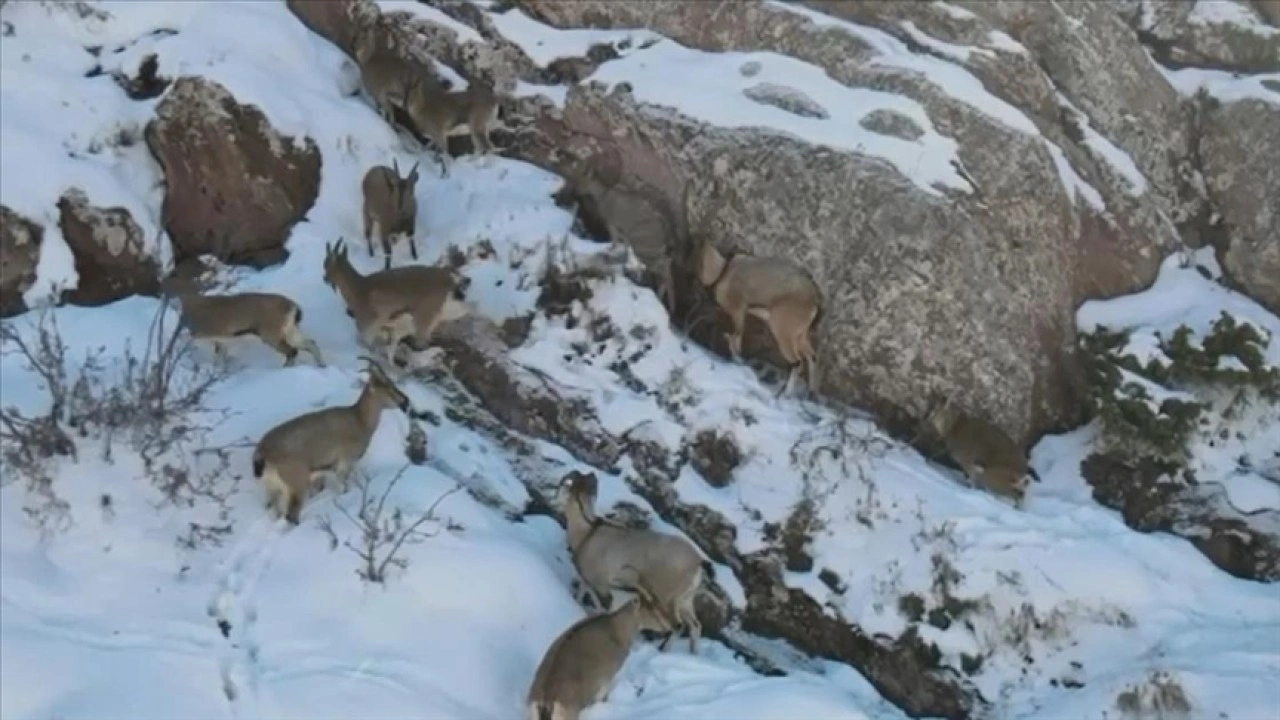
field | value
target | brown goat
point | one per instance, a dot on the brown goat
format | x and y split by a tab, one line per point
390	208
985	452
290	457
772	289
439	112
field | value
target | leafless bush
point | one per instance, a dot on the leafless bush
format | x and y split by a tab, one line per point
384	531
152	401
1161	697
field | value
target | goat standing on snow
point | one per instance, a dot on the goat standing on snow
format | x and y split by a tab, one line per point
390	208
273	319
439	112
393	305
290	457
664	570
579	667
985	452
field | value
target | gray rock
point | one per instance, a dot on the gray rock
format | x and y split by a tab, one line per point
890	122
1240	150
788	99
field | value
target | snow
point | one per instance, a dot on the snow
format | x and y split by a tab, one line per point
1182	296
959	53
1223	12
111	618
711	90
1223	85
957	82
545	44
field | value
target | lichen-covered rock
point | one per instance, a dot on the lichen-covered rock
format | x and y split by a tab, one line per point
111	253
20	240
1091	55
882	251
234	185
1240	151
1228	35
332	20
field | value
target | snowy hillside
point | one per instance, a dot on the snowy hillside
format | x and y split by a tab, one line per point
159	588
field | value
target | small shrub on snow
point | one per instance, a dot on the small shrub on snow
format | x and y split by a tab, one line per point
152	401
383	530
1151	403
1160	697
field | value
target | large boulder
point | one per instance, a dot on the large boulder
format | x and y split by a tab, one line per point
333	20
235	185
1240	152
111	252
899	296
20	240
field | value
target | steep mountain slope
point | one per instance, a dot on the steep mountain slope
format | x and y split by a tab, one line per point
854	578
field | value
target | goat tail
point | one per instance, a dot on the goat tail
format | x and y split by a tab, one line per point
1032	472
708	570
297	316
539	711
259	464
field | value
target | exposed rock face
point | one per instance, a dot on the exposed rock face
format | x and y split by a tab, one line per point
895	667
235	186
331	19
1156	499
1221	34
20	240
884	250
1240	151
1089	53
112	259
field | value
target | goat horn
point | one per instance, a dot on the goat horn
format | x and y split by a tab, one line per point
395	165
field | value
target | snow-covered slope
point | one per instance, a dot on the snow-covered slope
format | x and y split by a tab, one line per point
1057	610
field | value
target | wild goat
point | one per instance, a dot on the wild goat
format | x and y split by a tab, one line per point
290	456
380	71
579	667
273	319
772	289
390	207
439	112
985	452
665	570
391	305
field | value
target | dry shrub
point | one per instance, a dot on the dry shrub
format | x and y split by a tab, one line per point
151	401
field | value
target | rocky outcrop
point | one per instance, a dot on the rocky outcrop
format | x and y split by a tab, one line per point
1227	35
111	252
902	669
234	185
333	20
1240	152
20	240
1091	55
1157	498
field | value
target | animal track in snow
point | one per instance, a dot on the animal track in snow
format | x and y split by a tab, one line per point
234	609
